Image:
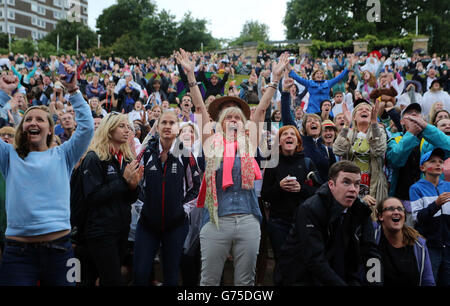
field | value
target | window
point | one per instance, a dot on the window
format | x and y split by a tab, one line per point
41	10
34	7
34	35
12	29
11	15
12	2
56	15
1	13
34	20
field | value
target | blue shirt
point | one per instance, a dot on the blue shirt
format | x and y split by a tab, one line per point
38	187
234	200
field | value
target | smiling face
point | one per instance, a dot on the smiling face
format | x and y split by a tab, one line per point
94	103
345	188
328	136
37	128
288	141
313	126
363	114
318	76
392	217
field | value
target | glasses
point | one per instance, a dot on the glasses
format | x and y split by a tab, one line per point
7	134
392	209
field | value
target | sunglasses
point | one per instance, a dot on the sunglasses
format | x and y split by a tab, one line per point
111	114
392	209
7	134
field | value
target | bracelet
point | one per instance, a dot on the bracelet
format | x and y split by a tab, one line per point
192	84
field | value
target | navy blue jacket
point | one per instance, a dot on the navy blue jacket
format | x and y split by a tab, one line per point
167	187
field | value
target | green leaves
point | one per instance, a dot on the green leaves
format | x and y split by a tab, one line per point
347	20
252	31
67	36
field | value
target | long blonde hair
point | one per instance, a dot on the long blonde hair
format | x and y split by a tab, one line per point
22	145
101	144
98	109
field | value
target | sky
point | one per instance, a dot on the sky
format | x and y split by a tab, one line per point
225	18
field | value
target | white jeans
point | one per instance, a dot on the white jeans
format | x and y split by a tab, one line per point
239	233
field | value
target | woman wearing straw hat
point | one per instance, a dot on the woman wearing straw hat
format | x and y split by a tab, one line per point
232	218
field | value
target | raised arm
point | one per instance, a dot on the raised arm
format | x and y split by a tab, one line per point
77	145
188	65
277	73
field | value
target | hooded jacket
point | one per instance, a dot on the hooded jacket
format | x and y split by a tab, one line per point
308	250
431	221
422	258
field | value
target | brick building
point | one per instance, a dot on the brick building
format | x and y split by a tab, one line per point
35	18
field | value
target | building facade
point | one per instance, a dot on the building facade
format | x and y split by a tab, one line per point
36	18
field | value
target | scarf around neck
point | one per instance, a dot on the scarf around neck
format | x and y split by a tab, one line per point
218	150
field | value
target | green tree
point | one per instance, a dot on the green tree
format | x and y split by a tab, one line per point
4	40
122	18
67	36
23	46
347	19
159	34
252	31
45	48
192	33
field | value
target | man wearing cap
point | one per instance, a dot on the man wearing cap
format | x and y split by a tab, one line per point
404	151
7	134
430	203
435	94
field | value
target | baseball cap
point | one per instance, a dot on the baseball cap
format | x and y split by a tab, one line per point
412	106
437	151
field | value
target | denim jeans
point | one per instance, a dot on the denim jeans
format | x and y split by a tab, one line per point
440	263
146	246
28	264
277	230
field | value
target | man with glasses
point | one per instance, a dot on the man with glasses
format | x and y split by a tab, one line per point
430	203
333	239
7	134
